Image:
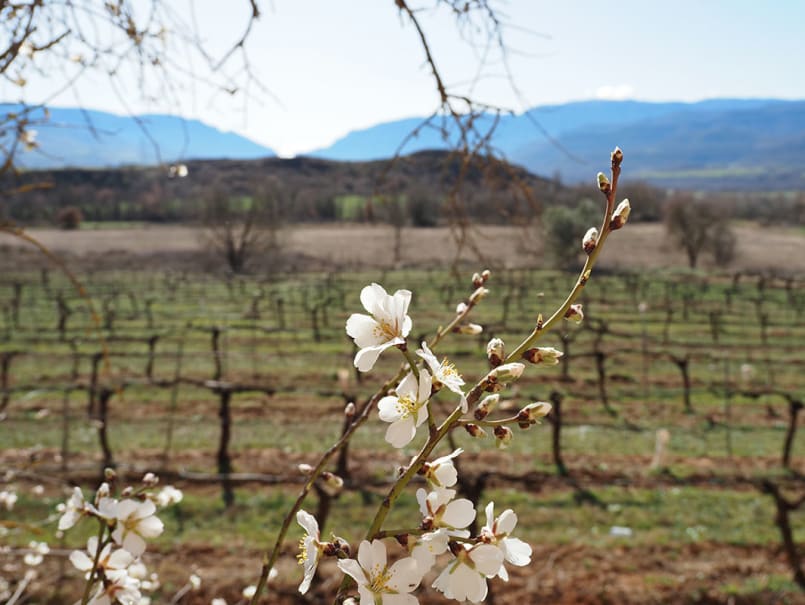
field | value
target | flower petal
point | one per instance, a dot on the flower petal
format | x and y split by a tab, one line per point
365	358
308	523
458	513
400	433
517	552
389	409
353	569
372	298
363	329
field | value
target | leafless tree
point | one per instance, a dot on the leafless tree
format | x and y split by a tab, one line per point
240	229
150	43
697	227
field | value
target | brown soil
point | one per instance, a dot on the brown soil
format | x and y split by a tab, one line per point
559	575
641	245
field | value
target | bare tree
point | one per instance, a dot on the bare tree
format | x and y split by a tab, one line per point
698	226
239	229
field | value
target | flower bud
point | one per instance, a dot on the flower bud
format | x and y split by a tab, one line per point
545	355
461	308
487	404
495	352
305	469
486	274
477	280
109	473
620	216
603	183
575	313
476	296
341	546
349	409
103	491
531	413
474	430
507	372
469	329
616	156
150	479
590	240
503	437
127	492
331	483
494	381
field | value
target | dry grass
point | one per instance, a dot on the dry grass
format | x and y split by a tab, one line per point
640	246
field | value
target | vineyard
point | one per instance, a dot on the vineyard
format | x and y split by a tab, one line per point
668	471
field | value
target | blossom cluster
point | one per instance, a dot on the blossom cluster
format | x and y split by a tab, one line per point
441	545
468	561
112	561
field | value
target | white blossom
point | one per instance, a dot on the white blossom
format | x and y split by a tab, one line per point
442	472
428	546
443	373
123	589
441	510
37	553
310	548
135	521
168	495
407	410
8	498
114	564
497	532
379	584
386	325
465	577
72	509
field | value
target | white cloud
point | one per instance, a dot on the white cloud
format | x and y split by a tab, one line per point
614	92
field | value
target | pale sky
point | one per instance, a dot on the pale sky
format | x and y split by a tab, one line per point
340	66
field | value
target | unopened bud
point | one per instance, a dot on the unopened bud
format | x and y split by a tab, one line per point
461	308
477	280
503	437
476	296
616	156
109	473
469	329
150	479
103	491
575	313
531	413
486	274
127	492
545	355
487	404
603	183
305	469
474	430
331	483
590	240
620	216
507	372
341	546
495	352
349	409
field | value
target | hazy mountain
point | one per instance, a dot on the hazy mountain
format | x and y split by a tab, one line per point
720	143
79	138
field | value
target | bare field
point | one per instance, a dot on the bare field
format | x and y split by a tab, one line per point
640	246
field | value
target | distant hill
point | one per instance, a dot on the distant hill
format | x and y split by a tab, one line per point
94	139
727	144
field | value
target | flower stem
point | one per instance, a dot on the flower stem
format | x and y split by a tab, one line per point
93	573
584	275
270	557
